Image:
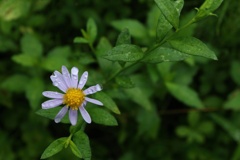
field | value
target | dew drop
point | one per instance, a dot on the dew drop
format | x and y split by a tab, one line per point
81	82
55	83
98	87
74	77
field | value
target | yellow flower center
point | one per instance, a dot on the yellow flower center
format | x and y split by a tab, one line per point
73	98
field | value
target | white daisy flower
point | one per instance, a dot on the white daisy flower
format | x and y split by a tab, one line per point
73	98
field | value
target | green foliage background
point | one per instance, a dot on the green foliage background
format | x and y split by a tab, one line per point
170	110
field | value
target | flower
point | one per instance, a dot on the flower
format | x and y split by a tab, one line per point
74	98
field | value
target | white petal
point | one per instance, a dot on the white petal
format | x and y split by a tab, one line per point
66	76
94	101
51	94
83	80
73	116
92	89
85	114
74	77
61	114
51	103
58	81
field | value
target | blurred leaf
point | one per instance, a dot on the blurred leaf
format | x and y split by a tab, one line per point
235	71
193	118
182	131
192	46
185	95
169	11
56	58
107	102
31	45
125	53
124	82
206	127
233	102
80	40
82	142
25	59
101	116
163	54
51	114
55	147
228	126
91	30
34	92
15	83
148	123
138	96
75	149
12	9
124	37
136	28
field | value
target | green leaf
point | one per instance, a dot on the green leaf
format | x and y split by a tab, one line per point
81	140
178	4
136	28
182	131
138	96
55	147
75	149
15	83
207	8
148	123
163	54
101	116
192	46
193	118
233	102
56	58
228	126
107	102
169	11
91	30
31	45
163	27
12	9
124	37
125	53
51	114
25	60
235	71
185	95
124	82
34	92
80	40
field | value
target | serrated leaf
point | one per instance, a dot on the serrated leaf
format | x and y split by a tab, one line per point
125	53
107	102
138	96
124	82
34	91
51	114
169	11
124	37
31	45
185	94
192	46
91	30
101	116
15	83
163	54
82	142
80	40
75	149
25	59
136	28
56	58
55	147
